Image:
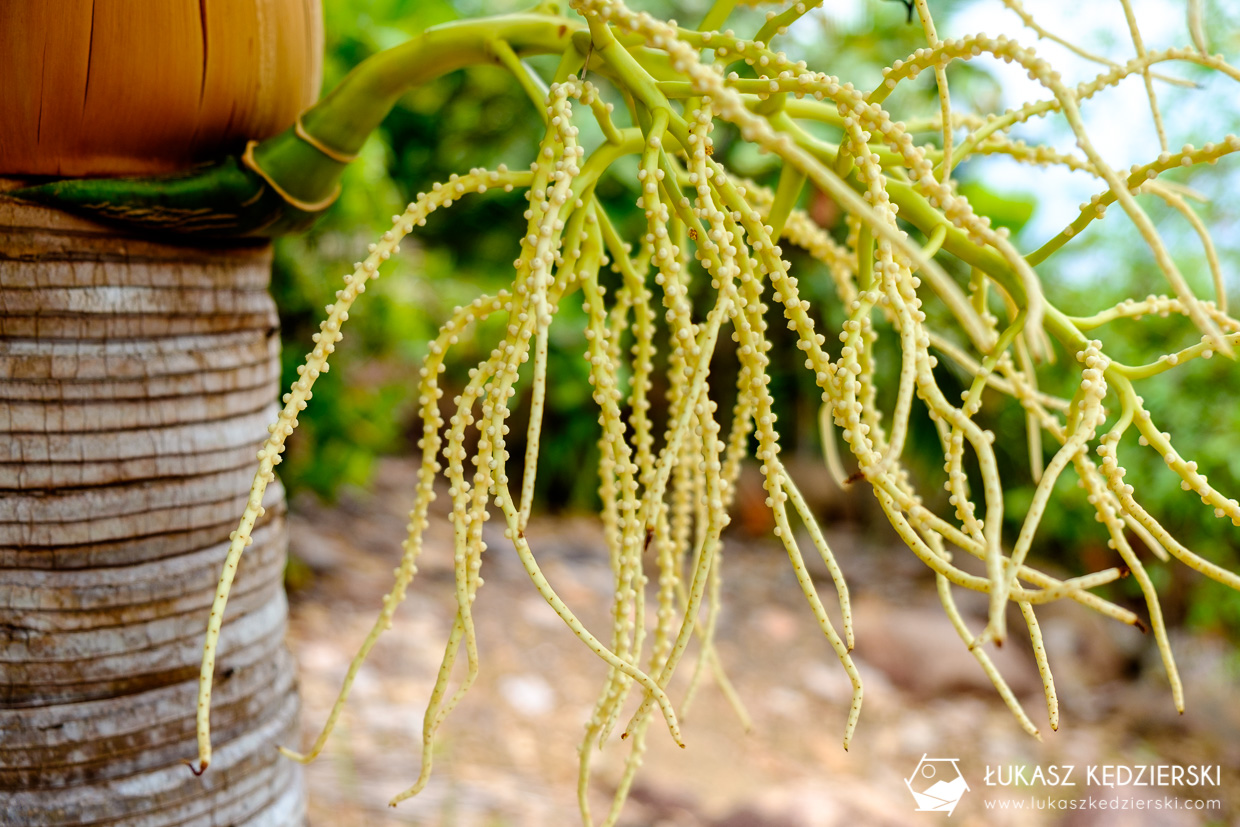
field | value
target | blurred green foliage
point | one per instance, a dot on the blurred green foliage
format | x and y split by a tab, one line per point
365	408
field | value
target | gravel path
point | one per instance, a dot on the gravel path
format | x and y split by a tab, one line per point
508	754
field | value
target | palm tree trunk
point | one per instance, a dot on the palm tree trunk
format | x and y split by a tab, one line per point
136	382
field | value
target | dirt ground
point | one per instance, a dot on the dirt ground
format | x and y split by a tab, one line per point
508	754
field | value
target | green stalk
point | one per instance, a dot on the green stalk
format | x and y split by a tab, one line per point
345	118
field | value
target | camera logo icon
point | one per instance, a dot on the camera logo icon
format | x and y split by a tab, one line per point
937	785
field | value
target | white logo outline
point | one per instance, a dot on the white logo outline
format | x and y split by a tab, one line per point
945	793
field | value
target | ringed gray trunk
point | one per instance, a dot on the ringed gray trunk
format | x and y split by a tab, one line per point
136	383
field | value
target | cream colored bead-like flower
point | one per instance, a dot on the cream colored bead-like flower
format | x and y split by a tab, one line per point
710	267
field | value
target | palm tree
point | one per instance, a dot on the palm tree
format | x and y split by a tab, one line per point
136	380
